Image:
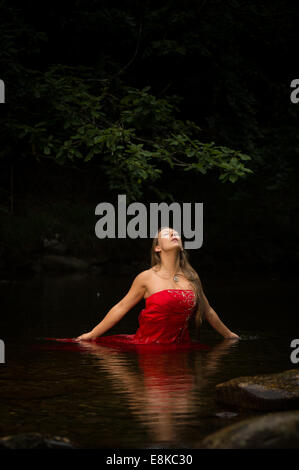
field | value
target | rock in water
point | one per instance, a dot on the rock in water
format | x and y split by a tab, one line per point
262	392
63	263
278	430
34	440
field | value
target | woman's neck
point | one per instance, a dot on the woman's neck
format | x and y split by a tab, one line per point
170	263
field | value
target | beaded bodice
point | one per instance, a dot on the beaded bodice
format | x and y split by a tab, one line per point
166	316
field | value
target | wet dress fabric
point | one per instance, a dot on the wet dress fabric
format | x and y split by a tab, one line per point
164	320
162	323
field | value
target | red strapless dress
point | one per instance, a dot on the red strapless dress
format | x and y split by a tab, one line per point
163	322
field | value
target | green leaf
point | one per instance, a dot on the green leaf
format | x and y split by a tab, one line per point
233	178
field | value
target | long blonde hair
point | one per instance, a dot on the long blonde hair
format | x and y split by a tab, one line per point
190	274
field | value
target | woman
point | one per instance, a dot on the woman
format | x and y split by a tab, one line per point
173	293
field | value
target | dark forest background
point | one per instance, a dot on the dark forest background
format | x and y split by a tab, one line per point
185	101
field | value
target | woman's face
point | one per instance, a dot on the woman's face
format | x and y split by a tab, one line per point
168	239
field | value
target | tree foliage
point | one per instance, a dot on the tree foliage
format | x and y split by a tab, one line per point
84	86
78	114
127	131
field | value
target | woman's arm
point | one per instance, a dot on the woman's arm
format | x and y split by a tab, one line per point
118	311
212	317
217	324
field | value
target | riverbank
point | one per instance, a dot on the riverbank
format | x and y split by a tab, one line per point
53	213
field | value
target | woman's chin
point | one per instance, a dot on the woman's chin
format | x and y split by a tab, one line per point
175	246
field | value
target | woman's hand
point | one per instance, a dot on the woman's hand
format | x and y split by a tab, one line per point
232	335
86	337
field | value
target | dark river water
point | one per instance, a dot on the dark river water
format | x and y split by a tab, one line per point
103	398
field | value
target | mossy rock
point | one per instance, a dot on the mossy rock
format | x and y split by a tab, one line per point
35	441
279	430
261	392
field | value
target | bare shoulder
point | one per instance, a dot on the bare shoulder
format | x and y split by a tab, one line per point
135	293
143	277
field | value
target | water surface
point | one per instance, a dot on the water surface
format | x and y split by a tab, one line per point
102	398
